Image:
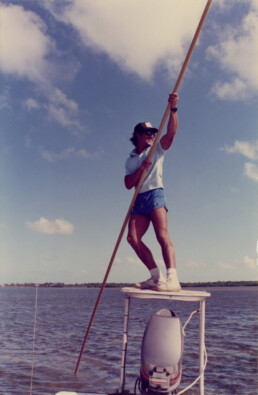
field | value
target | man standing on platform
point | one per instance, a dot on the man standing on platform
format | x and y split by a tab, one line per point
150	204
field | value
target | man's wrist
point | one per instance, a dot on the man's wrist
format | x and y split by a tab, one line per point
173	109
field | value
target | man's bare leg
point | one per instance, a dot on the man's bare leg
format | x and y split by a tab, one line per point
160	223
137	227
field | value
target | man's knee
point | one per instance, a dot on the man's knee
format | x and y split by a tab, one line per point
164	239
131	240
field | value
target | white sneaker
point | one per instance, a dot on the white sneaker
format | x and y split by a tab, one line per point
161	286
173	284
156	285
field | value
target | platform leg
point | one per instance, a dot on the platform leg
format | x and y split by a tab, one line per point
201	344
124	347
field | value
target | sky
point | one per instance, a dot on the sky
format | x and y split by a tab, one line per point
76	77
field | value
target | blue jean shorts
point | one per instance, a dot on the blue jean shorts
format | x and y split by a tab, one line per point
148	201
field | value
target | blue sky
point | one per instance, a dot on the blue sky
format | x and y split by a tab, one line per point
76	77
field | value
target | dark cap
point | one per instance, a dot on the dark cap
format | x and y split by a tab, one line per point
143	127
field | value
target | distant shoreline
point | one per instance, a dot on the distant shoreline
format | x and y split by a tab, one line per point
121	285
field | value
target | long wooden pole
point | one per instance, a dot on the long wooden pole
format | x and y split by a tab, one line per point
180	77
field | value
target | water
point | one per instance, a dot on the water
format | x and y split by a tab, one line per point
62	318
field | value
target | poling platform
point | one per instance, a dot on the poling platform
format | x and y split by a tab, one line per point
184	296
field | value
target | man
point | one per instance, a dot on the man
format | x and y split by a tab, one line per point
150	205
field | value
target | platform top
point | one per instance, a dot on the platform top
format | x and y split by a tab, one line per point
183	295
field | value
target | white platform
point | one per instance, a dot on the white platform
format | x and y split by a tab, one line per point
183	295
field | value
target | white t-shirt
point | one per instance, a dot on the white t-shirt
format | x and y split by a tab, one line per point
153	178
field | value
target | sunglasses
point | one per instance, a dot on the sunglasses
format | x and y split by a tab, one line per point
149	133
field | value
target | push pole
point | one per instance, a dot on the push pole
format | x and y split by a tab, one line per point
180	77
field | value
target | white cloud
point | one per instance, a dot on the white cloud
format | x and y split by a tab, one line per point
234	90
24	43
5	101
118	260
237	55
59	97
248	150
57	226
25	52
68	153
249	262
134	260
31	104
195	264
58	107
54	157
137	35
245	148
226	265
251	171
62	110
60	115
236	263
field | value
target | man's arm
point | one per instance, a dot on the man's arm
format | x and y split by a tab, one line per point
168	138
131	180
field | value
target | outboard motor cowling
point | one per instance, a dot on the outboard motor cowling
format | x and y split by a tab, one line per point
161	353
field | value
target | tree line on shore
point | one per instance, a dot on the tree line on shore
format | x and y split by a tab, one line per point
121	285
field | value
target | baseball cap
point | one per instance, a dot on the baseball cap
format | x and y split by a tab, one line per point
143	127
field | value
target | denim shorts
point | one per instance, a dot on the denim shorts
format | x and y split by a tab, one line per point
148	201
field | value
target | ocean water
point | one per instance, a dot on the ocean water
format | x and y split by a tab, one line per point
62	318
